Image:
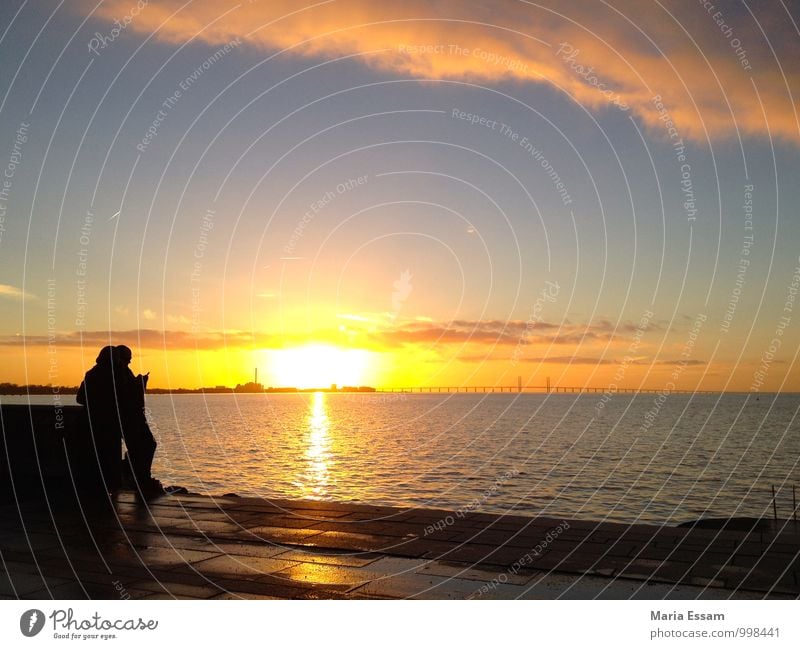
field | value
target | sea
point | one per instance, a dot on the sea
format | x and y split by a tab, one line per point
644	458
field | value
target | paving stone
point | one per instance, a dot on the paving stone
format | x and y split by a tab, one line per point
318	515
29	542
174	590
418	587
418	548
86	590
213	528
309	555
282	520
241	567
354	541
461	571
279	534
19	584
320	549
400	516
271	588
472	553
239	595
262	549
326	575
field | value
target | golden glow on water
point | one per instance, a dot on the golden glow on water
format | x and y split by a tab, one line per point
318	455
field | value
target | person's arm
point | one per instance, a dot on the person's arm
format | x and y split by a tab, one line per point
81	396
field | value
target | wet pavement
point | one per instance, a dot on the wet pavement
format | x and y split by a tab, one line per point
190	546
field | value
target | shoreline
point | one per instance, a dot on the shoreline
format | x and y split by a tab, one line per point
48	391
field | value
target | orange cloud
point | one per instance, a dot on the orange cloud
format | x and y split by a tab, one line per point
456	332
714	69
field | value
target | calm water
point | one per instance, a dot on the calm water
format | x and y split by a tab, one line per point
554	455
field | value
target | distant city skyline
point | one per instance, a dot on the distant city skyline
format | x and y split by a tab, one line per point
457	193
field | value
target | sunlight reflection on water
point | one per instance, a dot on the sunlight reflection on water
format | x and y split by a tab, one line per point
316	476
704	455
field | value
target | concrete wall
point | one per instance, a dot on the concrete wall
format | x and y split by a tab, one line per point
46	449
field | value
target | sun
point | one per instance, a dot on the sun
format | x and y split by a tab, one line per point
318	366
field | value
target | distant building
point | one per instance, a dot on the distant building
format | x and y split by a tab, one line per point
249	387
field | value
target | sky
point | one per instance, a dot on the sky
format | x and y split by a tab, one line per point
402	194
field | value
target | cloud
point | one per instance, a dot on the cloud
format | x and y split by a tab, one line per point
714	69
581	360
681	361
14	293
457	332
566	360
493	332
146	338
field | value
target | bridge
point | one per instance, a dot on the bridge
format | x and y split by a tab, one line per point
544	389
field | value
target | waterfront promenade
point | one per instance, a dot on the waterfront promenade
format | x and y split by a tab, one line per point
190	546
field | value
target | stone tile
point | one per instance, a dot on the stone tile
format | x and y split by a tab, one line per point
131	522
241	567
213	528
239	595
280	534
460	571
29	542
350	559
354	541
257	507
347	576
155	556
474	553
418	548
397	565
183	541
325	575
82	591
280	589
19	584
234	548
498	537
416	586
318	515
282	520
322	549
174	590
376	528
587	587
400	516
330	592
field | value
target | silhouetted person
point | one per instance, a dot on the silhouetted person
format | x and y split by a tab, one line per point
114	400
139	439
97	393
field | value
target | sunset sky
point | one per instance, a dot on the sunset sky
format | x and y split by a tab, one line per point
396	194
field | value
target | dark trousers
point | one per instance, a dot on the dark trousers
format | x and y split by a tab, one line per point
102	449
141	449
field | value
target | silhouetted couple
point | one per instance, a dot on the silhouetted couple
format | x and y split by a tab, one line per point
114	400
